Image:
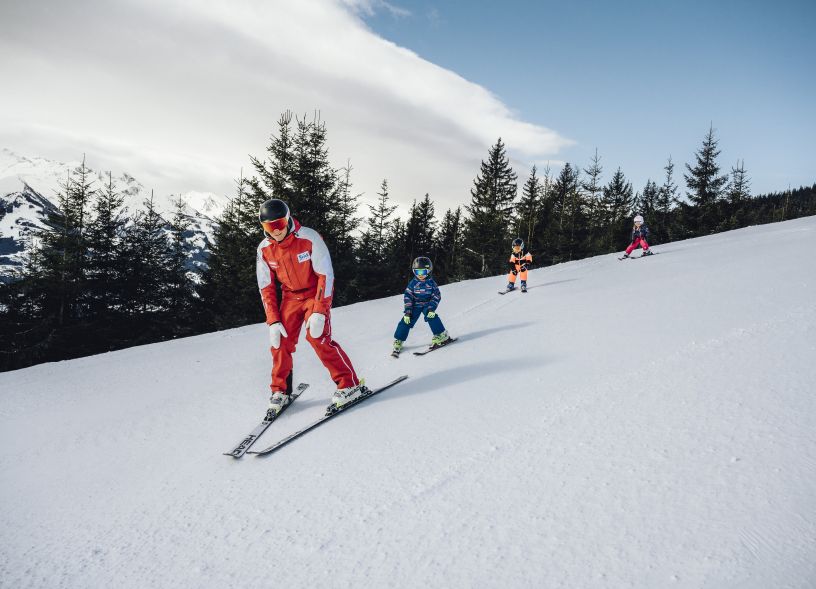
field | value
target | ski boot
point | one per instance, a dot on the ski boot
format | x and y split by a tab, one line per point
647	253
624	256
345	396
278	401
523	286
440	339
510	286
395	352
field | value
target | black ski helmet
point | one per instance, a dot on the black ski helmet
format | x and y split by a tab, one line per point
422	263
272	210
518	242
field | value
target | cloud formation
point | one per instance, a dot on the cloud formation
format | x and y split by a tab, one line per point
179	92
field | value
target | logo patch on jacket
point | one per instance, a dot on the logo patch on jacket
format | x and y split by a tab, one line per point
303	256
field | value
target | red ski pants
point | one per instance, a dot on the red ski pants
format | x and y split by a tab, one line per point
638	241
294	311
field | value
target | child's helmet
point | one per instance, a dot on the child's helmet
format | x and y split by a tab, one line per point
422	266
518	242
638	219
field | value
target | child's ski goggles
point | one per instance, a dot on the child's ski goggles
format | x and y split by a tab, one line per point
420	272
276	225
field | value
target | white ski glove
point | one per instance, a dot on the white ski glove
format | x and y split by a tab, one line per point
316	324
276	331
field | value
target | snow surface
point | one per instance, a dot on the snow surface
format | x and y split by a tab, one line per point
624	424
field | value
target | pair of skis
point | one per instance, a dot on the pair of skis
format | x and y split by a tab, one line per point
505	291
243	447
638	257
433	347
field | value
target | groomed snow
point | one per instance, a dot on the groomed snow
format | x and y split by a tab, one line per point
644	423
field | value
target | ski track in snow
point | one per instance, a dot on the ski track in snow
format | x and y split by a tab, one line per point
643	425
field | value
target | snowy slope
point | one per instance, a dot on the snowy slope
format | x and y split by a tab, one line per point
29	188
624	424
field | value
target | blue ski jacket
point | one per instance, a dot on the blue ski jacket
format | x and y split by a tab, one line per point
421	294
642	232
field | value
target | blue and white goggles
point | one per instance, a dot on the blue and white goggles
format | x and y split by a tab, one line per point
421	272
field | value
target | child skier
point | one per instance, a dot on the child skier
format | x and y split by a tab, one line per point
297	257
519	262
639	234
421	297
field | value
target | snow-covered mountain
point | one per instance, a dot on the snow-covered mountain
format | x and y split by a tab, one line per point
29	188
642	424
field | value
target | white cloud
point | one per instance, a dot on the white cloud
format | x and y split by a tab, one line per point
179	92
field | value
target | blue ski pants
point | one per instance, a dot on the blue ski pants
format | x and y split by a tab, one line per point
401	333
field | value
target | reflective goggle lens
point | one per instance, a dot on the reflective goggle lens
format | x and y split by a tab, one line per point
420	272
276	225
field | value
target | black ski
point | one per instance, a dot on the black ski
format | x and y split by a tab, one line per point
432	348
253	436
329	414
505	291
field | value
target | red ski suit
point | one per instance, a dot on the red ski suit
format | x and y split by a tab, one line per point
302	264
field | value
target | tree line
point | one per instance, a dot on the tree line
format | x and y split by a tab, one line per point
98	279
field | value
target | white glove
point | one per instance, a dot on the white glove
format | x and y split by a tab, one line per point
316	324
276	331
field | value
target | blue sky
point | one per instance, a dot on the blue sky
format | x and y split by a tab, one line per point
179	93
638	80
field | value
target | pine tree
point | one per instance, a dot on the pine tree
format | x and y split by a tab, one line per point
420	230
737	193
567	216
106	262
179	287
617	203
147	271
449	243
228	291
594	195
705	185
340	240
277	174
666	202
490	213
528	208
375	276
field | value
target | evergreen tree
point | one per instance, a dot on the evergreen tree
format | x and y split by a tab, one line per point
567	217
147	272
420	230
617	204
179	286
528	208
276	175
705	185
229	289
737	193
107	258
448	260
593	191
340	240
490	213
375	276
666	201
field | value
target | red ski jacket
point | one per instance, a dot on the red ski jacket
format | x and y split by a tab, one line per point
302	264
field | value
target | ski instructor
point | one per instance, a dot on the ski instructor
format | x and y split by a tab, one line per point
298	258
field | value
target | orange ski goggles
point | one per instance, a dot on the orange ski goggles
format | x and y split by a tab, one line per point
276	225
